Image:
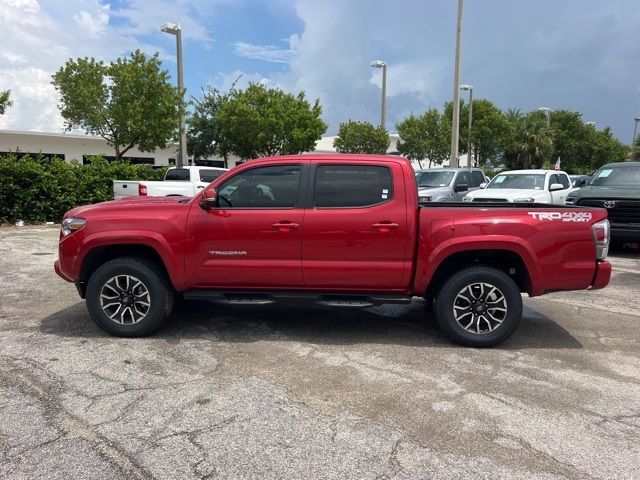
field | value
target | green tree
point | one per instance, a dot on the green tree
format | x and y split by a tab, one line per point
361	137
204	132
424	137
530	142
128	102
606	149
261	121
635	152
573	140
489	132
5	100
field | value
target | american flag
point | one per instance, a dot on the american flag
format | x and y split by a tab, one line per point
558	164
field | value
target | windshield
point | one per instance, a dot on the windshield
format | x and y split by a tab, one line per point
522	181
181	174
434	179
619	176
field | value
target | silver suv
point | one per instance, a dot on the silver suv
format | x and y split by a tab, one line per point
448	184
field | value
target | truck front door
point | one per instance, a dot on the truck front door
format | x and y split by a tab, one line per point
253	238
356	229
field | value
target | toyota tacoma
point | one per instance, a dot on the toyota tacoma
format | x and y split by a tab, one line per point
339	230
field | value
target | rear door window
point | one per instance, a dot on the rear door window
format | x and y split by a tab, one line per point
350	186
209	176
177	174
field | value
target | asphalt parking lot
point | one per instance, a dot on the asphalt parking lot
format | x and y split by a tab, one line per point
293	392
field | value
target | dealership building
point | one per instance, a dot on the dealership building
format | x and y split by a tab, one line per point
80	148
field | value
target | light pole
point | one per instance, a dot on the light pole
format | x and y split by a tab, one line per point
455	127
470	88
383	108
547	110
174	29
635	130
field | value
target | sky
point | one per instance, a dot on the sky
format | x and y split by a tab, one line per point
581	55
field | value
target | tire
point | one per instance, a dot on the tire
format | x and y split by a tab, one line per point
129	297
487	305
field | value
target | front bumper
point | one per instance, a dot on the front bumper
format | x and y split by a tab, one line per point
56	267
602	276
624	232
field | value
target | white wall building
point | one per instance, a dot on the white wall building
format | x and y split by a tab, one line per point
72	147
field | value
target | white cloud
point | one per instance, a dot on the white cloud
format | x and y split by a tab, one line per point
268	53
39	38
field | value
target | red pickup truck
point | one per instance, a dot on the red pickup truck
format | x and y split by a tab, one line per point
341	230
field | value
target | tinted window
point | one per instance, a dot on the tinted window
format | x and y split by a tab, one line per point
266	187
618	176
209	175
434	178
476	178
352	185
180	174
462	179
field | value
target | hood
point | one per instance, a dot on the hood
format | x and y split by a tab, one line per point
510	193
632	192
127	202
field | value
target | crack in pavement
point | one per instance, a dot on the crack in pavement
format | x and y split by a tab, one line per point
48	397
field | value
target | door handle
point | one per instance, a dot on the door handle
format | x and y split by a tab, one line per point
385	226
285	226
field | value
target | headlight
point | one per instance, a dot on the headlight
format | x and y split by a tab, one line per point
524	200
424	198
467	199
570	200
70	225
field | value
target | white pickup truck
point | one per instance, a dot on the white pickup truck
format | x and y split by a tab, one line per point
524	186
186	181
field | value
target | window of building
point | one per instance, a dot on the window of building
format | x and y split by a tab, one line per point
350	186
47	156
86	159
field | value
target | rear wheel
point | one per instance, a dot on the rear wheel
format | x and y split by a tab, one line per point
129	297
479	307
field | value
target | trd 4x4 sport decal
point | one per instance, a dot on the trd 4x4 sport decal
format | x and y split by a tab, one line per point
562	216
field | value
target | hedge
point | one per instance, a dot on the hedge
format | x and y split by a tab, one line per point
39	189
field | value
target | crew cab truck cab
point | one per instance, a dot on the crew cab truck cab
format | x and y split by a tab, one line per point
344	230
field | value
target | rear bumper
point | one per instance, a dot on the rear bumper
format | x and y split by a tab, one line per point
602	276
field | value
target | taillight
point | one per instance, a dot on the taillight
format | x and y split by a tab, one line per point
601	235
142	190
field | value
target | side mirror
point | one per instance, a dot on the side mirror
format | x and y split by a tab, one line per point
555	187
483	185
462	187
209	199
581	183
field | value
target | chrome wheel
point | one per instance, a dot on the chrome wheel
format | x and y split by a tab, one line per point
125	299
480	308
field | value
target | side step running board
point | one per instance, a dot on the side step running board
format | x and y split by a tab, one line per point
262	298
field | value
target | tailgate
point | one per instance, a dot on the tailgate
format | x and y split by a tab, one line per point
125	188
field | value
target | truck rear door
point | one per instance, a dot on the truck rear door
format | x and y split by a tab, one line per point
356	227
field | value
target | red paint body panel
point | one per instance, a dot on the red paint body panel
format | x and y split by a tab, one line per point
334	249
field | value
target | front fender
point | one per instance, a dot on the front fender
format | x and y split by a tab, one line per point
150	239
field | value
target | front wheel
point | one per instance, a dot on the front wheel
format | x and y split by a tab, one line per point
129	297
479	307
